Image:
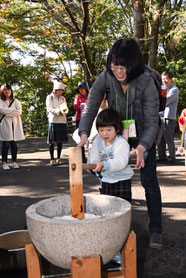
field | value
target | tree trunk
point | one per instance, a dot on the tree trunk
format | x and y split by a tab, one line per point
154	40
138	23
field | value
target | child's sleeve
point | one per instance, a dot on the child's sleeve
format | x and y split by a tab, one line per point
77	103
121	157
94	151
50	107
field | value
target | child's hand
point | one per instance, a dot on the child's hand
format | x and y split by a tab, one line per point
99	166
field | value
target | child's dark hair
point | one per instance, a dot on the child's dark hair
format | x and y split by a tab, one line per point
110	117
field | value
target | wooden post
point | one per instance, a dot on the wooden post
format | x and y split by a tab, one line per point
87	267
76	182
33	262
128	256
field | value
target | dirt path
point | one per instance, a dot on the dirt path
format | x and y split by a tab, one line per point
36	180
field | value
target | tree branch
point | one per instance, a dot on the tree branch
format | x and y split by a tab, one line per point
86	19
71	16
58	17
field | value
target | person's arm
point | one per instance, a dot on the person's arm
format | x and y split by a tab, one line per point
50	107
139	153
77	103
172	95
94	157
4	110
91	108
17	109
63	107
121	152
121	156
150	100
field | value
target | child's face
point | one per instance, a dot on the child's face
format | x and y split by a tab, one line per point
82	91
108	134
58	93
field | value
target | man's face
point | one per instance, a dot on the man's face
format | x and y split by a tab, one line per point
166	80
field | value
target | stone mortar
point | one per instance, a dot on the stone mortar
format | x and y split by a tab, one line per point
59	239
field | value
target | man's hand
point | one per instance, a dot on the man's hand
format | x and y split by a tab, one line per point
139	153
99	166
84	141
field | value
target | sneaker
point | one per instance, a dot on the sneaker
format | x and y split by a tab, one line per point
15	165
59	161
117	258
53	162
5	166
156	241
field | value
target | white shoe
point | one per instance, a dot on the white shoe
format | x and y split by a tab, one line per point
15	165
5	166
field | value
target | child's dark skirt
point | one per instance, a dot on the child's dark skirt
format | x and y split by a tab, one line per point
57	132
120	189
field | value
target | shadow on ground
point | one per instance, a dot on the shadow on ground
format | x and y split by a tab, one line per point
37	180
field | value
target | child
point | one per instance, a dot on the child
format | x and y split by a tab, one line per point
79	103
110	153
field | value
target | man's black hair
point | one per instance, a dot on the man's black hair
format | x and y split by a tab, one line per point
168	73
110	117
126	52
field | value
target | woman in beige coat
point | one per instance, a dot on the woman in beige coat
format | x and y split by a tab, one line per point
11	129
57	110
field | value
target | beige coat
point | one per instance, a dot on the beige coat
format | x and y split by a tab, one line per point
11	125
53	107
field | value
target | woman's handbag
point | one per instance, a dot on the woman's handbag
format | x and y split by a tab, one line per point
8	106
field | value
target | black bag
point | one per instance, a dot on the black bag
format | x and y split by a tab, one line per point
8	106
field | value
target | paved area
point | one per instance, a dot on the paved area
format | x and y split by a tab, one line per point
37	180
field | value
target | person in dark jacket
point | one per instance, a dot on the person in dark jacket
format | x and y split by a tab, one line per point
132	92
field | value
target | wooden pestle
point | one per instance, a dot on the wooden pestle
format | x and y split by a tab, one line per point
76	182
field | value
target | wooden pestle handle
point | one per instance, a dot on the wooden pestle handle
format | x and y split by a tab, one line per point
76	182
89	166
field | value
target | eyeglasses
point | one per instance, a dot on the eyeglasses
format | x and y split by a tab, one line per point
5	90
121	68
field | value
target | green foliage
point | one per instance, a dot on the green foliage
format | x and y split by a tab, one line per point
172	43
82	36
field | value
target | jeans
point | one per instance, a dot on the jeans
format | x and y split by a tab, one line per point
167	127
5	147
152	191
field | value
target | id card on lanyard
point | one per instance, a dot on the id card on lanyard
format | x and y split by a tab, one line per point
129	126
